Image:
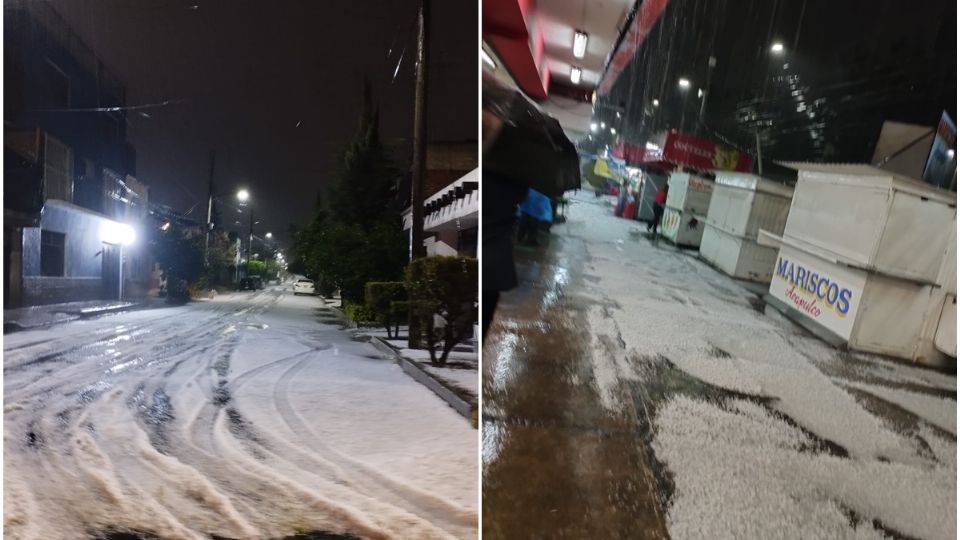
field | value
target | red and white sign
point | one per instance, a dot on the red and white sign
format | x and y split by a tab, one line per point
685	150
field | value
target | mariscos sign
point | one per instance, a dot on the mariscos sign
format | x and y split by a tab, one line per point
826	293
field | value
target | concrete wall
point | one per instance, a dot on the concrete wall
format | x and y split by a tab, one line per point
83	251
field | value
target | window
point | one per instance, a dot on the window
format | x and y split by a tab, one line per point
57	170
52	253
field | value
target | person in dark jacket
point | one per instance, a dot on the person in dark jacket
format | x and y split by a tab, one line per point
501	196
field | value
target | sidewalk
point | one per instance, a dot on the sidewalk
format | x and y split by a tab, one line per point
456	382
631	390
32	317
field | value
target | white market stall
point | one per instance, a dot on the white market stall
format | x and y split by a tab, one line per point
740	206
687	203
866	256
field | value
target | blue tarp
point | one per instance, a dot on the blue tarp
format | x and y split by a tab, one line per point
538	206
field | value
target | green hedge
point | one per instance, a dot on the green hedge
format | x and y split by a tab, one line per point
359	313
379	295
444	286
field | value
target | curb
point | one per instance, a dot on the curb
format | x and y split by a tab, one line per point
10	327
86	314
801	321
420	375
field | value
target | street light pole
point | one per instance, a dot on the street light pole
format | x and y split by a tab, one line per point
206	239
250	240
120	294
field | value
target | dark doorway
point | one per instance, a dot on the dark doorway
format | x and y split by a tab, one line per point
111	271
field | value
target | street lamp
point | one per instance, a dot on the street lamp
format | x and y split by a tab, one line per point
684	83
269	235
119	234
243	196
776	48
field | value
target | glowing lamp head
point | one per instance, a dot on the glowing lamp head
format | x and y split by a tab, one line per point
122	234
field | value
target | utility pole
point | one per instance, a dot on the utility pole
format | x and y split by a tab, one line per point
711	63
250	242
209	225
417	248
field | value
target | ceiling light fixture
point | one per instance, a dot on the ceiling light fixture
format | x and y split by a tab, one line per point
579	44
575	75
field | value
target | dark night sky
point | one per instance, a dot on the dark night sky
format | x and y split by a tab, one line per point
250	71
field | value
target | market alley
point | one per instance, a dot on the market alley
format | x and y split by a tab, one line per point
632	391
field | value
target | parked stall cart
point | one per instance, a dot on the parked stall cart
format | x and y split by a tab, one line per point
867	260
687	203
740	206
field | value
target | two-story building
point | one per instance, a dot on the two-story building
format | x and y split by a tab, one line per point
451	206
70	195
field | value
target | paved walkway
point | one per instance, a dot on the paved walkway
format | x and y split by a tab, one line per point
556	463
630	390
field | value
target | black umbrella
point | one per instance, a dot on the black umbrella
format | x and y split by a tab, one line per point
530	148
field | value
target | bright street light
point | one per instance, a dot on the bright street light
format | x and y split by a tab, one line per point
121	234
656	103
684	83
593	127
269	235
776	48
613	131
243	195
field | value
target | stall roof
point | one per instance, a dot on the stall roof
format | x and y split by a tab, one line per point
867	174
753	182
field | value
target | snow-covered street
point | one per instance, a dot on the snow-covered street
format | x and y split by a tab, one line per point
716	418
253	415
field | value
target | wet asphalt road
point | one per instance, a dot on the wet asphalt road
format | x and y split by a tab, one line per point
556	463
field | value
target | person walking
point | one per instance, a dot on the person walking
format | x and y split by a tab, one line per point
659	203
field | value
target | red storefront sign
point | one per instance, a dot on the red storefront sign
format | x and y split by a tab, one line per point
675	148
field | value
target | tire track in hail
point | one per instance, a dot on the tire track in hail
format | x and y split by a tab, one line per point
424	503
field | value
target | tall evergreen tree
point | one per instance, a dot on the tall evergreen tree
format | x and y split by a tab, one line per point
357	238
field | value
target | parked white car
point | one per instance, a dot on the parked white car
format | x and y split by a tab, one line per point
304	286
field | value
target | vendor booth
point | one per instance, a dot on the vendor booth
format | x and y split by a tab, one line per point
687	203
740	206
867	259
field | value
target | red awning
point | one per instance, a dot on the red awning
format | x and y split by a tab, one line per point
505	28
647	15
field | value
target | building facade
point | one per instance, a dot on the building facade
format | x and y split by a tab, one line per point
451	200
69	171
